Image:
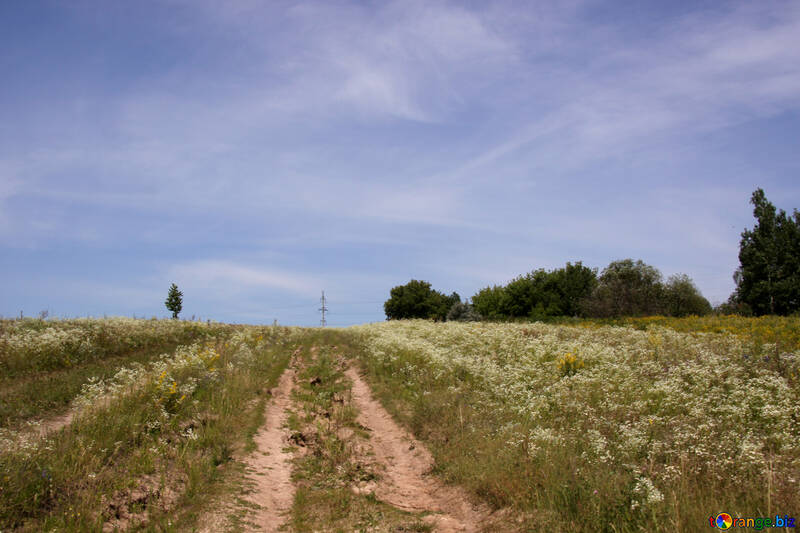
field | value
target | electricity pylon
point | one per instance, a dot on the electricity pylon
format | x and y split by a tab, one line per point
323	309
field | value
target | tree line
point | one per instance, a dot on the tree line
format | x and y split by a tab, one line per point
623	288
767	282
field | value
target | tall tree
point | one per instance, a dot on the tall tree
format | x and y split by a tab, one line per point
768	279
174	301
491	302
575	282
683	298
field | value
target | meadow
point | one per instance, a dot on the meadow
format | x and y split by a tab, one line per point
44	363
774	333
601	428
650	424
146	445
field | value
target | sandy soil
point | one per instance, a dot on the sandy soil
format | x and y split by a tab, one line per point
51	425
405	481
36	429
270	467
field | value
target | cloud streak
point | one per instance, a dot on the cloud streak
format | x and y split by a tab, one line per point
231	277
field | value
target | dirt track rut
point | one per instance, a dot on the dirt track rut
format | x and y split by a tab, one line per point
270	467
406	482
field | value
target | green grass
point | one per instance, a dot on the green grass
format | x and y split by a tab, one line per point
638	438
161	441
44	364
764	334
145	457
31	345
47	394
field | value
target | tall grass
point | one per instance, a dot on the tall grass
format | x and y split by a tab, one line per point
775	333
44	364
597	429
148	443
33	345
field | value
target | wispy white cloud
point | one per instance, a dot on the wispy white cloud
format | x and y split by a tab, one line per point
231	277
706	72
406	60
456	139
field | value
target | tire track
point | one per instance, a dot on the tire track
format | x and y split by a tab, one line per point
405	482
269	468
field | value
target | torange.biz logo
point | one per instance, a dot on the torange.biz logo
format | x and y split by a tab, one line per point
726	521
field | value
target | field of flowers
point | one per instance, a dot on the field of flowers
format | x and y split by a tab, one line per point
600	428
147	443
44	363
766	332
35	345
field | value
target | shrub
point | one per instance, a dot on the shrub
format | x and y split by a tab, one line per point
538	294
490	302
463	312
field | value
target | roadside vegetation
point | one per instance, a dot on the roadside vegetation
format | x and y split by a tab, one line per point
598	428
44	363
147	446
607	424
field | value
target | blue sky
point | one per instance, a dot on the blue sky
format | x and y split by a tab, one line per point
256	153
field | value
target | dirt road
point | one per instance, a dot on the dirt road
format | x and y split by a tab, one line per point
406	482
270	467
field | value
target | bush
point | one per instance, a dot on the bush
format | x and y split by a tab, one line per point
463	312
490	302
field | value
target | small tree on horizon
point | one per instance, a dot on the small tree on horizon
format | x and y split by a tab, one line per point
174	301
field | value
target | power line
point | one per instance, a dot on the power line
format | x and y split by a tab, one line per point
323	309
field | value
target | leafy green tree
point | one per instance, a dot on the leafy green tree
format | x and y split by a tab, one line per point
574	283
490	302
523	293
626	288
416	299
174	301
538	294
683	298
441	304
449	301
768	279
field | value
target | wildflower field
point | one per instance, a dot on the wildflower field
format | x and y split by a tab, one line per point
44	363
35	345
646	424
144	442
776	333
595	427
